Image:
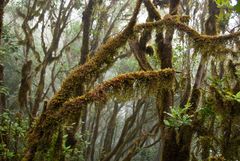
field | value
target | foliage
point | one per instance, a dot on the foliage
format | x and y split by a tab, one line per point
4	90
206	111
146	154
237	7
76	153
223	91
233	97
10	44
178	116
12	124
227	4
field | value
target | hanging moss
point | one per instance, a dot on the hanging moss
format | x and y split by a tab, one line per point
207	44
122	87
159	23
128	85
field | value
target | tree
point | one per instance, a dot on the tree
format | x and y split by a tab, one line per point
164	89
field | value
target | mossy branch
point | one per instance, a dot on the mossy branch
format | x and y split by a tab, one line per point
123	87
161	22
209	43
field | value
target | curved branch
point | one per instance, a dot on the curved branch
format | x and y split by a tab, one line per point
122	87
177	22
135	83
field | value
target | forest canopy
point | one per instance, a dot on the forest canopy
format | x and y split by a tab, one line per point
119	80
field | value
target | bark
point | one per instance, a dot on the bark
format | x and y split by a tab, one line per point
186	64
161	3
168	146
40	90
171	149
101	21
112	25
86	20
4	136
140	55
57	149
140	48
135	131
2	5
187	87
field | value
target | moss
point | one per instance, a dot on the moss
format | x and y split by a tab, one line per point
159	23
122	87
216	158
133	83
207	44
126	82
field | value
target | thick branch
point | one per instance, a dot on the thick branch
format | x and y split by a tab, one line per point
177	22
126	83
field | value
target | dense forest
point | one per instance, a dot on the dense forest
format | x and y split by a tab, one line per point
119	80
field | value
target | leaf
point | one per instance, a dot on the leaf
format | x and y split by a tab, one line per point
4	90
10	154
237	7
238	95
166	122
169	114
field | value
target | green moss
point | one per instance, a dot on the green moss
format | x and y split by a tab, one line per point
207	44
123	87
130	85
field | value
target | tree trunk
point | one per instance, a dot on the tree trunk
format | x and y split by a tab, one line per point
186	133
168	145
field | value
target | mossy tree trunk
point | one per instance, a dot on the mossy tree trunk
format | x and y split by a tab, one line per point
168	145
